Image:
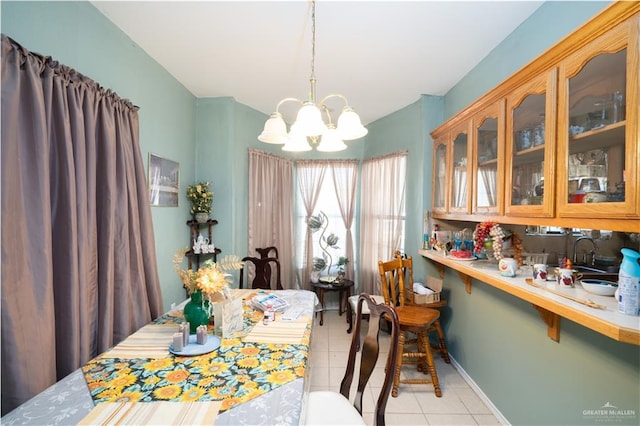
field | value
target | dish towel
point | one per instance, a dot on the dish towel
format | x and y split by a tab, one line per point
153	413
279	331
151	341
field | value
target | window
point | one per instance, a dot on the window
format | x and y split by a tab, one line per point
327	186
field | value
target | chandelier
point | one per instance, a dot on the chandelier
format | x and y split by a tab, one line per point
309	125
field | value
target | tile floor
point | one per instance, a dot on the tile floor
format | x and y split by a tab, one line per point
415	404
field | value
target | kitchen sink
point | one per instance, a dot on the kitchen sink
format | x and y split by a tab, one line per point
589	272
589	269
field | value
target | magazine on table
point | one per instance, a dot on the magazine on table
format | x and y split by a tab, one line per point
262	300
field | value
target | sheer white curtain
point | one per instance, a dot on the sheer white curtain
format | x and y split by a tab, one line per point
459	187
345	179
487	186
382	215
310	176
271	209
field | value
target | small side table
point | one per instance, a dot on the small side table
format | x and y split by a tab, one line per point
343	288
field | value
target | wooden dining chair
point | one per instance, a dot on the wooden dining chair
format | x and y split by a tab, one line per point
352	308
271	251
413	319
333	408
262	273
436	327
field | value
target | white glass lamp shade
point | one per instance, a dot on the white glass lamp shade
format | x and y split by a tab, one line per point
309	120
275	130
331	141
296	141
349	125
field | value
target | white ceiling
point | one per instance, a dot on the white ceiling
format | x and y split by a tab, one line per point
382	55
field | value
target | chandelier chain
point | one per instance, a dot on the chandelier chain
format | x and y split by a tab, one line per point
312	94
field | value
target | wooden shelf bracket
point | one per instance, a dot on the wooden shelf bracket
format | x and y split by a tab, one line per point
466	279
553	322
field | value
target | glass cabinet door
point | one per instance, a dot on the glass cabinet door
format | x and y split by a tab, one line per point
595	162
487	165
439	191
460	177
530	149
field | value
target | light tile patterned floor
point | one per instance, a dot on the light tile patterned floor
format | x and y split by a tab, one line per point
415	404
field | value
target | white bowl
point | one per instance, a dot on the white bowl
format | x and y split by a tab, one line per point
600	287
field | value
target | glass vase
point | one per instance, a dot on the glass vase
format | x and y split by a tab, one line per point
196	311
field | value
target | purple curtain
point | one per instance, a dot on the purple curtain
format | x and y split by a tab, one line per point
79	269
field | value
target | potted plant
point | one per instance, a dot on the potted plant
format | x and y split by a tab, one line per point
342	263
201	201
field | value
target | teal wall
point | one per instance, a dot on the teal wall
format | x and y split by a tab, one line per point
498	339
78	35
403	131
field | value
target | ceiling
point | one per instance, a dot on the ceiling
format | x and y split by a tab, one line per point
382	55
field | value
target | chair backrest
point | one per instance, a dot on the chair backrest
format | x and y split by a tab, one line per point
370	354
266	252
392	282
407	271
262	269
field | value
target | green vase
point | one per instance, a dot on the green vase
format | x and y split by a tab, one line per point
196	311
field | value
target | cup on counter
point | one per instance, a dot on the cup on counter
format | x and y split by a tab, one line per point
540	272
567	277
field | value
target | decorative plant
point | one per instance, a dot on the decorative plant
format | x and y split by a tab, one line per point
342	263
212	278
201	197
320	223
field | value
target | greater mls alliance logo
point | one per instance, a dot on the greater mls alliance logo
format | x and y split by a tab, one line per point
609	413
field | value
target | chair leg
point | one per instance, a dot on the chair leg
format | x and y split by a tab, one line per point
349	317
443	344
424	342
398	367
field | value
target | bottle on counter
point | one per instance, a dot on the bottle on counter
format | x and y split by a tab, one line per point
628	293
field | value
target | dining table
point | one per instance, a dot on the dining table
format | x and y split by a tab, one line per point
258	375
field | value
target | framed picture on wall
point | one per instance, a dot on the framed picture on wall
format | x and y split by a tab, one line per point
164	181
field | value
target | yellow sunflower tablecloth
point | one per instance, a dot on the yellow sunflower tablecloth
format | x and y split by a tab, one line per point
236	372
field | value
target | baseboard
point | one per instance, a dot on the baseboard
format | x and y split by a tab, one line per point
494	410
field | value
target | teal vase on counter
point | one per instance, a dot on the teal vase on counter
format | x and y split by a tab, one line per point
196	311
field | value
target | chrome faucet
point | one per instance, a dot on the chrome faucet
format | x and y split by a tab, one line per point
575	245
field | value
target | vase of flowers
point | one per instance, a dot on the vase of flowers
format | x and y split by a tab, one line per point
206	286
201	199
196	311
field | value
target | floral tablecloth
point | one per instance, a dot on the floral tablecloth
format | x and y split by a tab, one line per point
240	374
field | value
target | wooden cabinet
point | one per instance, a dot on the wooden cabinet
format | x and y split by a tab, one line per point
530	148
440	188
460	170
452	176
568	139
598	147
487	164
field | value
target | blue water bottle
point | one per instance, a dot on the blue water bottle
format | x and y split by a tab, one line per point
628	293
